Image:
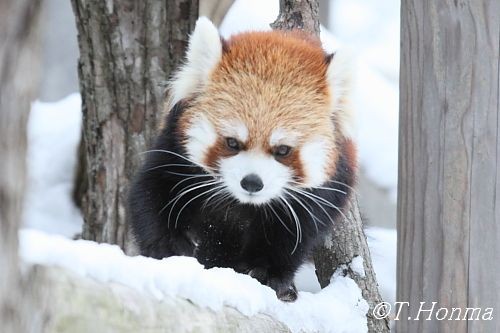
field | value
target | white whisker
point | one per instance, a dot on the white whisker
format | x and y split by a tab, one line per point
322	208
180	195
279	218
321	188
297	224
221	188
330	189
221	200
314	196
265	212
175	154
307	210
186	179
191	200
170	165
343	184
194	184
189	174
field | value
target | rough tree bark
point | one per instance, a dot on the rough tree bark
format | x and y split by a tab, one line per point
347	240
127	52
298	14
18	64
449	170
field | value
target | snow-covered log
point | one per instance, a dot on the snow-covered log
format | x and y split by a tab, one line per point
171	283
81	304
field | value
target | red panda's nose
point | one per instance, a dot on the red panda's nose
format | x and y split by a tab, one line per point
252	183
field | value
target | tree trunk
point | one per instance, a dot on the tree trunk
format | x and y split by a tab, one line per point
347	240
449	171
127	52
18	64
302	15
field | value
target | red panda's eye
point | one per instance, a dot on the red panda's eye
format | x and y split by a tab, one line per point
282	151
233	144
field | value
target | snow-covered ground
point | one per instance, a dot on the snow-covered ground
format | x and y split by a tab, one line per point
53	134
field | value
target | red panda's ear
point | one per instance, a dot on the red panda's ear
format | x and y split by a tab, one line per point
338	77
329	57
204	53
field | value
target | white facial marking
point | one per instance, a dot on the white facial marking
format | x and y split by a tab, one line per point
314	160
234	129
281	136
203	54
201	135
273	174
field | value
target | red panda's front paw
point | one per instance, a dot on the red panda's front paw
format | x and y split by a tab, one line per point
287	293
284	288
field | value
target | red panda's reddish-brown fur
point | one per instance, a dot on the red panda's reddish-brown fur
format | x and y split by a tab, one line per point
270	79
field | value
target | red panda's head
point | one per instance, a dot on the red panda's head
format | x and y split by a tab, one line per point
266	110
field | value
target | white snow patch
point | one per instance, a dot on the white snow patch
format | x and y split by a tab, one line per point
383	247
372	29
53	135
305	278
357	266
339	307
249	15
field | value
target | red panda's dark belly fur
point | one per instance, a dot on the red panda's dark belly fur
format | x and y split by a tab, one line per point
244	237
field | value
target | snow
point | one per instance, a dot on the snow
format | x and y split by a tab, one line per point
337	308
372	32
357	266
247	15
53	137
383	250
306	280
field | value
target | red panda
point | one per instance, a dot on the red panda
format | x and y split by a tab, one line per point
255	160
